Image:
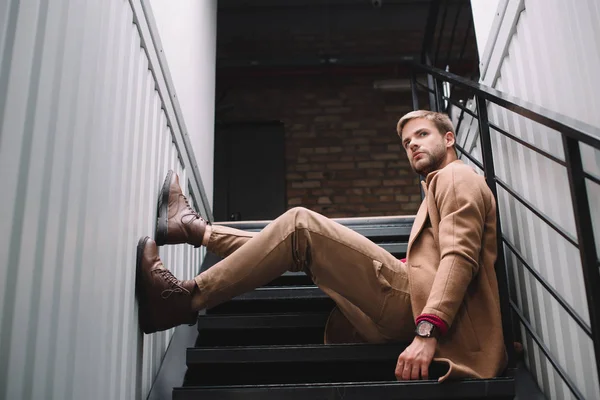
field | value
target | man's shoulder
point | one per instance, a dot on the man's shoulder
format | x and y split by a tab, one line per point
459	171
460	174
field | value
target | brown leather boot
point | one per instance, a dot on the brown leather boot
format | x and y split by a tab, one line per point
177	221
164	301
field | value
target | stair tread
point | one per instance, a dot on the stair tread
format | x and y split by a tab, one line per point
282	293
294	353
502	387
371	227
256	321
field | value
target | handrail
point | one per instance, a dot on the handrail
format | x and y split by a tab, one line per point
571	127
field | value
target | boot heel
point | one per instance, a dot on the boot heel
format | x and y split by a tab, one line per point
162	211
138	282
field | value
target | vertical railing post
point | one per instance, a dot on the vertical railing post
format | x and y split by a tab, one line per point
432	92
413	87
501	273
585	238
440	97
426	51
460	119
439	92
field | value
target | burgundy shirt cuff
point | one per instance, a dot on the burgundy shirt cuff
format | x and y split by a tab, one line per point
435	320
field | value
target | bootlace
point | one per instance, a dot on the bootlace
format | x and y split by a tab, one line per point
191	212
172	281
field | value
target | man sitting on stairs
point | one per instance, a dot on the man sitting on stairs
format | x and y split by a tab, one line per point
443	300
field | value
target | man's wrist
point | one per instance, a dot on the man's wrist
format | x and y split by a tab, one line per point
426	340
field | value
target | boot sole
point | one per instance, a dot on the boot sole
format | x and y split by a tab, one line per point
162	211
142	302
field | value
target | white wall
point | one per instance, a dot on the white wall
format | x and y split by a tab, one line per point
188	32
87	133
545	52
484	12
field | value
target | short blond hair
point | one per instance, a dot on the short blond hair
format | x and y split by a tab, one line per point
441	121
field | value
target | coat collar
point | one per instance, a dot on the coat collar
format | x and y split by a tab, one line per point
423	214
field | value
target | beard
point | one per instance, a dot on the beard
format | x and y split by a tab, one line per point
429	161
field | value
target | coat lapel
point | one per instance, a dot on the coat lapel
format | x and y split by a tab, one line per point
420	220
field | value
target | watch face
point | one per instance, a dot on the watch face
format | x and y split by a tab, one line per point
424	329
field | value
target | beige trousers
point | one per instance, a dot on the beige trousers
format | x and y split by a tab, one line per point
368	284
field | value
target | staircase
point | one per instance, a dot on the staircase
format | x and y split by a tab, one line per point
268	344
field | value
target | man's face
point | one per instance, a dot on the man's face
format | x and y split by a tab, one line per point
425	147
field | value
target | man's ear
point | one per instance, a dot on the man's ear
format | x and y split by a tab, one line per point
449	138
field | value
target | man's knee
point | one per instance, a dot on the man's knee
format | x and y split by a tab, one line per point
294	212
298	216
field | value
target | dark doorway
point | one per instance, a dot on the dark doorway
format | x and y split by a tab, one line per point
249	171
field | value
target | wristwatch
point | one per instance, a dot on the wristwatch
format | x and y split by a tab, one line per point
426	329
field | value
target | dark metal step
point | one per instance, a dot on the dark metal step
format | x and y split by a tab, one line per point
310	353
317	363
372	227
282	293
498	388
259	321
292	279
261	329
277	299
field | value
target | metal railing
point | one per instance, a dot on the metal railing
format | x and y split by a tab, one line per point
573	133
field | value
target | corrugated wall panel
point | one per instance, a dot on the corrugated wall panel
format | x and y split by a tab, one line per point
84	146
550	61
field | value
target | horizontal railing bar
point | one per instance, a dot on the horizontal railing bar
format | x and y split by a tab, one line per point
546	352
582	324
528	145
541	215
470	157
592	178
573	128
456	104
425	87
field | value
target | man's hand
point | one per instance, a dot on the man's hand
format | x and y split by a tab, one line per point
414	361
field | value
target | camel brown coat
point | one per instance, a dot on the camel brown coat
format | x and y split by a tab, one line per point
451	254
450	267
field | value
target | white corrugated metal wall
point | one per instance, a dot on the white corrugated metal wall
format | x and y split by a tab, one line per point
87	133
549	55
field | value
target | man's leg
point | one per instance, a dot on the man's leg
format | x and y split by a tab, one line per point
177	222
345	264
342	262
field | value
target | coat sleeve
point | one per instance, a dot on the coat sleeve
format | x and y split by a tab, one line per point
460	200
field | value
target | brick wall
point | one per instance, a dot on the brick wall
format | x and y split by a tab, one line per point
343	157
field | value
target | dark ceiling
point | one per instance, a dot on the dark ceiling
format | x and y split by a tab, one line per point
313	33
